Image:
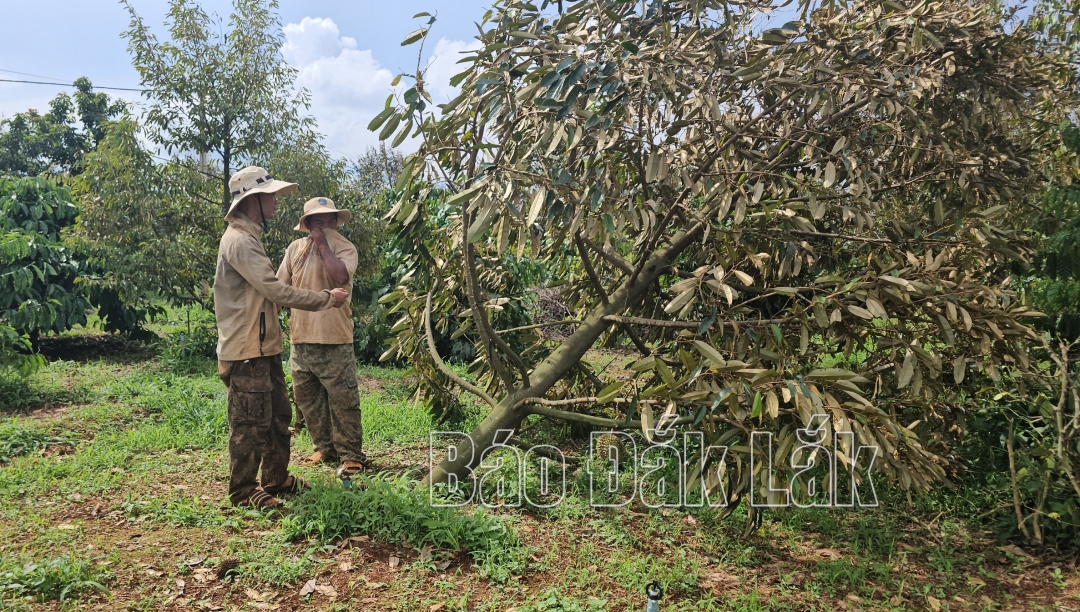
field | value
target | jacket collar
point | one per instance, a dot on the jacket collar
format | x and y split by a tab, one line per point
242	223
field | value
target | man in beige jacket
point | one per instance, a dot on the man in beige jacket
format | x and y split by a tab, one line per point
322	361
246	299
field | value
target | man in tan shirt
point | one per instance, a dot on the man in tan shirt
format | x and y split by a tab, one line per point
322	360
246	293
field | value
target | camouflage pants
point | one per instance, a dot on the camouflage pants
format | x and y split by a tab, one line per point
259	416
325	390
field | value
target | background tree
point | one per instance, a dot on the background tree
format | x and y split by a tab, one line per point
229	94
813	219
33	144
37	270
149	229
1037	466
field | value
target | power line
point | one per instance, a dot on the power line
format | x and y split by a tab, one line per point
67	84
42	76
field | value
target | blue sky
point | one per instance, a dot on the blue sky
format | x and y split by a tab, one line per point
347	51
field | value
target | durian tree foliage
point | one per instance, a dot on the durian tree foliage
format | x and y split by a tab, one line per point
820	218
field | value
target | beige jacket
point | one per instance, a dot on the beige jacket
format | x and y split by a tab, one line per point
303	267
246	291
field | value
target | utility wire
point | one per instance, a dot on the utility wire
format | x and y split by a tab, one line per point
42	76
67	84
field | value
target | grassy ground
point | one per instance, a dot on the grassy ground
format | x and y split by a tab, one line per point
113	475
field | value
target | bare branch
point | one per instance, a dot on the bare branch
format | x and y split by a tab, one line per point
593	278
538	326
611	258
689	324
445	369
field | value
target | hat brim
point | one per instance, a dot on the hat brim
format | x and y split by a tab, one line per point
343	216
274	186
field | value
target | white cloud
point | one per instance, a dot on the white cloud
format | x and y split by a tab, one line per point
349	86
442	66
312	39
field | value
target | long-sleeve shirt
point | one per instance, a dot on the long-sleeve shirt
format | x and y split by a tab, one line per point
246	291
303	267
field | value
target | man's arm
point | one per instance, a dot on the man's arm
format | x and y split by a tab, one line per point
249	259
284	273
335	268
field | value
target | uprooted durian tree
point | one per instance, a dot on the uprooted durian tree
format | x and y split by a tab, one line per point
819	218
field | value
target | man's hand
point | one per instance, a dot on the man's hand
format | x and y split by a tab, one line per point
339	295
318	238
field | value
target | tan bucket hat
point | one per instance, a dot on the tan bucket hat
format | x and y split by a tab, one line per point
254	179
320	206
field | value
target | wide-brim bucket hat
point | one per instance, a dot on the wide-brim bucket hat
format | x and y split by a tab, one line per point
253	179
322	206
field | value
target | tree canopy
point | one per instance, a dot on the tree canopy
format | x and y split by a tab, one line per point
817	218
38	271
33	144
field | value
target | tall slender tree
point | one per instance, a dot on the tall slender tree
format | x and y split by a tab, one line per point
228	94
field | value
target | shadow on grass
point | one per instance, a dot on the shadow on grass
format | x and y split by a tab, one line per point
113	348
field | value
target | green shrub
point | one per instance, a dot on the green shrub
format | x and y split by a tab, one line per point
198	339
15	389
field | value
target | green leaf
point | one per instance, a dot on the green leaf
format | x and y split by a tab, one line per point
414	36
710	353
390	126
402	134
378	120
665	373
608	393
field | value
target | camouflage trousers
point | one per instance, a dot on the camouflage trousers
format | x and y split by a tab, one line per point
259	417
326	394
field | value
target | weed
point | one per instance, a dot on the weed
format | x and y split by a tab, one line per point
1058	579
183	512
57	578
18	438
388	420
393	510
15	390
552	601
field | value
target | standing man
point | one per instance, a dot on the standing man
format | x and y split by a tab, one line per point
249	343
322	361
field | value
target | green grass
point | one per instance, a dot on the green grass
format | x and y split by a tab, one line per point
142	495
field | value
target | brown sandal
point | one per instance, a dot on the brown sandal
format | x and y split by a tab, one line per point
351	468
293	484
315	459
259	500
